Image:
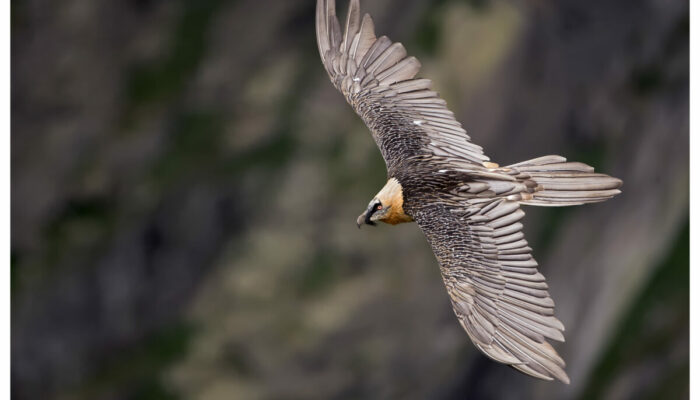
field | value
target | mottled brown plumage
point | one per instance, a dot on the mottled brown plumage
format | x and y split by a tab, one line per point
467	207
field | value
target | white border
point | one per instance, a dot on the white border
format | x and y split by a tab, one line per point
694	197
5	197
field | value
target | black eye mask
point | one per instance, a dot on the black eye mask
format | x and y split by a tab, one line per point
374	209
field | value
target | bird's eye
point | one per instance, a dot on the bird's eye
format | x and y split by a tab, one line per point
379	207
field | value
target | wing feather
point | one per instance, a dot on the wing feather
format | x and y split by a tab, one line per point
352	26
500	299
377	77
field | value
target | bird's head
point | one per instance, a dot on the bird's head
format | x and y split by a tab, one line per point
386	206
376	211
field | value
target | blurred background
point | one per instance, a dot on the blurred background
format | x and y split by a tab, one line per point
185	183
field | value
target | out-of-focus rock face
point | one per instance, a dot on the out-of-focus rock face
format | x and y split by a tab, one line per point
185	182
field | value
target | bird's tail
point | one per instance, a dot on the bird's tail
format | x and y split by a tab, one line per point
554	182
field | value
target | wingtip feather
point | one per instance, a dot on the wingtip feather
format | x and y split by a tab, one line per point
352	25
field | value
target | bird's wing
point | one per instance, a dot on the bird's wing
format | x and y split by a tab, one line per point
497	293
376	76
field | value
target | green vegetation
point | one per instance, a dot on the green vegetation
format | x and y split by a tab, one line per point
160	81
428	33
320	274
192	148
138	366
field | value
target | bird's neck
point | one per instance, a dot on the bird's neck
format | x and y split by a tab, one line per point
392	195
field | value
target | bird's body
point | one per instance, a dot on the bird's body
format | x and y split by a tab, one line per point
467	207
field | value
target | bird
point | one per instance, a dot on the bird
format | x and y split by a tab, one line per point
468	207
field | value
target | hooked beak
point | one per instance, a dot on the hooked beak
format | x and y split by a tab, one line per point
364	218
361	219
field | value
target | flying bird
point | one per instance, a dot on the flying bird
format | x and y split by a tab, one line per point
467	206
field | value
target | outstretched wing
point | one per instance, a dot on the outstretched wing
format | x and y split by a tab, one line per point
497	293
376	76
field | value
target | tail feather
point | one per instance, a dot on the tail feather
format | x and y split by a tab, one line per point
554	182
